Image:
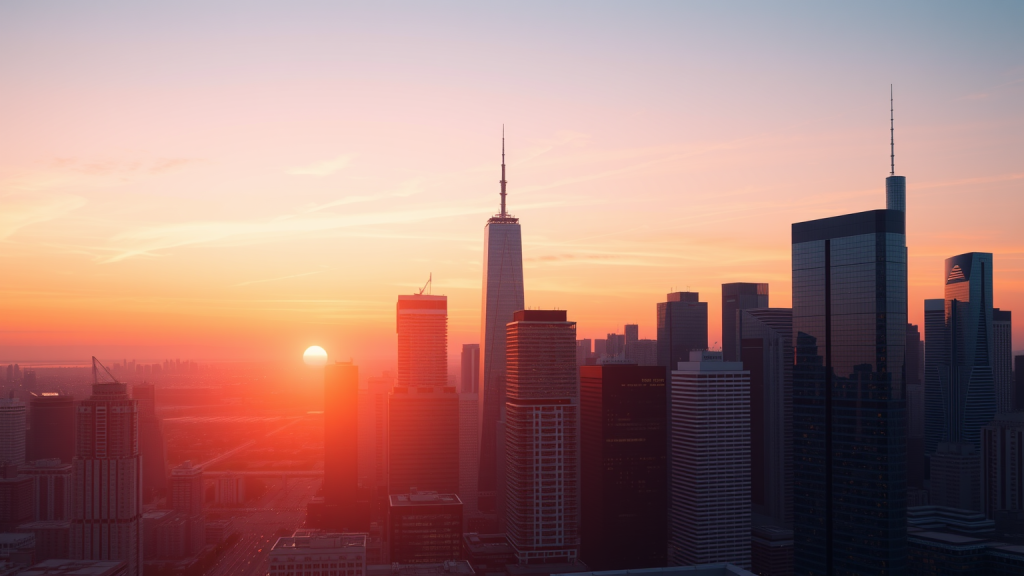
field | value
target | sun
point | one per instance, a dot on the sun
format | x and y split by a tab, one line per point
314	356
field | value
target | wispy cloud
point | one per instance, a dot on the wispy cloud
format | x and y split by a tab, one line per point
20	210
325	168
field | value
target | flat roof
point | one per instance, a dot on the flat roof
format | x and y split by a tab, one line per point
396	569
313	540
699	570
424	498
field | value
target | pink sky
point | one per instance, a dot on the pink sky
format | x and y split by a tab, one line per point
242	181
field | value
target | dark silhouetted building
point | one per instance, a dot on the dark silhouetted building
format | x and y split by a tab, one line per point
542	451
936	374
425	527
623	441
151	443
738	296
771	551
709	496
849	406
766	350
916	462
1002	454
423	440
12	430
502	296
471	368
51	488
341	431
15	498
51	538
107	472
682	327
469	452
1002	359
956	476
51	419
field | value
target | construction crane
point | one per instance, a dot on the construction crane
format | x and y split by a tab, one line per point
96	372
428	284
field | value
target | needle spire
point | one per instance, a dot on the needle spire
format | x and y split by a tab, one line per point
892	140
503	182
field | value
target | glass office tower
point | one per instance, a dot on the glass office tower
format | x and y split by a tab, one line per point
849	409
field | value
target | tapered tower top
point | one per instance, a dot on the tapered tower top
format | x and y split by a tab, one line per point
503	216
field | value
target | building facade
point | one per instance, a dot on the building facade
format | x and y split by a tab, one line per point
916	462
624	475
12	431
709	496
106	509
51	480
956	477
51	427
425	527
187	501
738	296
312	552
542	452
1002	359
470	369
469	451
682	327
849	406
1002	470
341	448
151	443
423	440
936	374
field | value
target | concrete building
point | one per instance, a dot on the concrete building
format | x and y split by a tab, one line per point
12	430
341	437
187	501
738	296
1002	465
470	369
542	447
52	538
682	327
316	552
51	487
151	443
51	431
1002	359
624	474
425	528
709	498
106	468
956	476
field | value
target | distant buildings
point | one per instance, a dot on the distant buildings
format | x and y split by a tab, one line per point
12	431
738	296
51	427
682	327
425	527
187	501
542	449
710	451
849	413
624	478
325	552
470	369
502	296
107	471
341	429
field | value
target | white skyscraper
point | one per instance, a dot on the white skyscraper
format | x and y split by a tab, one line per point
12	431
709	495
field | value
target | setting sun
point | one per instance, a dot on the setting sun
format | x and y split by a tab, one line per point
314	356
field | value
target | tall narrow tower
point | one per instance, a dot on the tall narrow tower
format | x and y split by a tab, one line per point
895	186
502	296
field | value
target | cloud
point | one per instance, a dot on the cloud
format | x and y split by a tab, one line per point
325	168
20	210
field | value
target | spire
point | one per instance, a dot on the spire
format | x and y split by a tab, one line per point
892	141
503	182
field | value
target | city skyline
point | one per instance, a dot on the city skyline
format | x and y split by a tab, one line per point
151	242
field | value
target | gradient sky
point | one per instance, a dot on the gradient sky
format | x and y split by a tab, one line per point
241	180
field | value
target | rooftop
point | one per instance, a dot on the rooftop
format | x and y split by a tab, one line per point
77	568
699	570
314	539
416	498
395	569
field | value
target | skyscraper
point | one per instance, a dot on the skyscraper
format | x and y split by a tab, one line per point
542	454
970	400
12	431
469	451
341	430
52	488
1002	450
502	296
766	350
1002	359
423	410
915	409
471	368
187	500
623	476
151	443
735	297
936	374
710	451
51	427
849	410
682	327
106	517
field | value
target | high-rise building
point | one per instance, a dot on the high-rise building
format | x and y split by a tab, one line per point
623	480
502	296
16	494
936	374
341	430
738	296
542	452
682	327
471	368
425	527
849	409
107	510
1002	453
469	451
584	351
12	431
422	327
956	476
632	334
765	338
373	443
187	501
51	483
915	408
51	431
151	443
710	451
1002	359
1018	377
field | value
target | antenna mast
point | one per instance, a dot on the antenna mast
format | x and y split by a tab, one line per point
503	182
892	140
96	372
430	283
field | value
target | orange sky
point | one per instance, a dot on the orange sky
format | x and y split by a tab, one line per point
242	181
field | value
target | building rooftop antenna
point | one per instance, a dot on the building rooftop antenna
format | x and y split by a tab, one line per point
429	284
503	182
892	140
96	372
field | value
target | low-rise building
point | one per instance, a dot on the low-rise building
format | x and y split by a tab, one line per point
453	568
52	538
59	567
314	551
425	527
